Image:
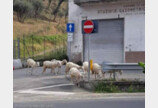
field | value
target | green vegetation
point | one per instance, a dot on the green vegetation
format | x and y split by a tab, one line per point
22	8
103	87
40	25
142	65
43	47
43	9
131	89
58	54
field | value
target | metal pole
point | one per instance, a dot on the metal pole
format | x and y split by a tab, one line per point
32	48
44	47
18	48
89	57
63	46
70	51
14	49
24	45
114	75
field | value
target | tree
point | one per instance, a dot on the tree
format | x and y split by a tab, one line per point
49	3
37	7
22	8
57	9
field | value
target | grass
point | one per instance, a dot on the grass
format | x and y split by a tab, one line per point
54	34
102	87
38	27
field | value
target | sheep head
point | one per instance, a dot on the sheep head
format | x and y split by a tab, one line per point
64	62
81	67
37	63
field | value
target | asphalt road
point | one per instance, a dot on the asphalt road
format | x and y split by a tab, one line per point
91	103
55	91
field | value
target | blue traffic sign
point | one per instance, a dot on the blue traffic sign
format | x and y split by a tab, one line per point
70	27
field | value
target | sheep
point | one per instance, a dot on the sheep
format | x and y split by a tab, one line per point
96	69
31	63
50	64
60	63
85	67
75	75
113	71
69	65
53	60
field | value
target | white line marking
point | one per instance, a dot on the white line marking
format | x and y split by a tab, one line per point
88	26
45	87
45	92
35	90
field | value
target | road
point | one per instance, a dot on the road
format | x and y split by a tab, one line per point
55	91
91	103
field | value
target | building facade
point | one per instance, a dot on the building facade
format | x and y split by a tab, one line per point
120	36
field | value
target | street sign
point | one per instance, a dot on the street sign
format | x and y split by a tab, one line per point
70	27
70	37
88	26
95	30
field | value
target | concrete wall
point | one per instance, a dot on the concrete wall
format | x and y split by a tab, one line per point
133	12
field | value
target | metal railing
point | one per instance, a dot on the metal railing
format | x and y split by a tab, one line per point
39	47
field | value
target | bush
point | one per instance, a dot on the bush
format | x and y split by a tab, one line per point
22	8
142	65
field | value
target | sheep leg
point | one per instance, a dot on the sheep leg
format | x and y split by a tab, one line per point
95	76
66	71
52	70
78	80
28	70
32	70
103	75
72	79
44	69
110	75
58	71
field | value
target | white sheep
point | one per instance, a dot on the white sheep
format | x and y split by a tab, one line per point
60	63
85	67
50	64
114	71
31	63
96	70
75	74
69	65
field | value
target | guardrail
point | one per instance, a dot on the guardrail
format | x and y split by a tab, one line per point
120	66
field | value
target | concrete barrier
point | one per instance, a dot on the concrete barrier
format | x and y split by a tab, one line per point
17	63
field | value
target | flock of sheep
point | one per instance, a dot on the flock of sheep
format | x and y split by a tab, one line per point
76	72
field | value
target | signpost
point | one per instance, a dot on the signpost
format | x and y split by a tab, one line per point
70	27
88	28
69	37
70	30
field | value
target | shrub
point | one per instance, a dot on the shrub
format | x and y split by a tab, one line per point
142	65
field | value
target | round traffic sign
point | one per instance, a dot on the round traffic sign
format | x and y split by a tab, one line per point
88	26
